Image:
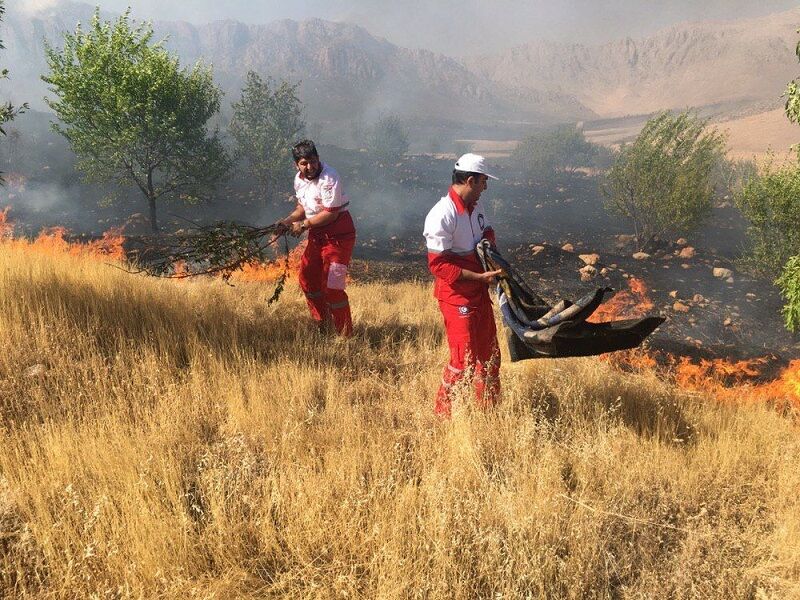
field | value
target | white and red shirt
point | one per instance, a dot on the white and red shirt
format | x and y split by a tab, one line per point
451	233
325	193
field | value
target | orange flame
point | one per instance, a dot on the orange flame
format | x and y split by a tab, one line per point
109	247
625	304
179	269
713	375
270	272
52	240
638	359
6	228
725	380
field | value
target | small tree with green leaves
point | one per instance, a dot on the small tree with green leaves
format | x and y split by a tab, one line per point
789	281
133	116
7	110
662	181
266	121
387	140
550	153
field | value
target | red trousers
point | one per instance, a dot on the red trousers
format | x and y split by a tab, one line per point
323	276
472	337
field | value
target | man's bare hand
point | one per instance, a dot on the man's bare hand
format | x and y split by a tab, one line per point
296	229
487	278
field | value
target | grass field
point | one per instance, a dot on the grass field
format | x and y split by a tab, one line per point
166	439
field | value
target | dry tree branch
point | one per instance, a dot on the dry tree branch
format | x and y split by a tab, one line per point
221	248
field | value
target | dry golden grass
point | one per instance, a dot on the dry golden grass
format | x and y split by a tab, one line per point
183	440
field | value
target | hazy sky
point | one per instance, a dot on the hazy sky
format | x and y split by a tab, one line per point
459	26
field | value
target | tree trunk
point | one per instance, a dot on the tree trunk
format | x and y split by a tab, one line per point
153	221
151	202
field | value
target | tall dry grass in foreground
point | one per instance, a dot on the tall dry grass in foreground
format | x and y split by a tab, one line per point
182	440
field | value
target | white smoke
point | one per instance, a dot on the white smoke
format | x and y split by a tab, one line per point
33	7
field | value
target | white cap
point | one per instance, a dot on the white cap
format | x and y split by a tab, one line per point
473	163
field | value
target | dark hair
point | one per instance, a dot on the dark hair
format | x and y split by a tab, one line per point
460	177
304	149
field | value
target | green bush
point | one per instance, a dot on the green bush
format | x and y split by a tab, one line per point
7	110
662	181
560	150
771	204
729	176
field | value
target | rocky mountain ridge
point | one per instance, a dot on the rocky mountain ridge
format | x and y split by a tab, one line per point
347	74
735	63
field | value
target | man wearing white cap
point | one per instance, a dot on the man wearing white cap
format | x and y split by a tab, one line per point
453	228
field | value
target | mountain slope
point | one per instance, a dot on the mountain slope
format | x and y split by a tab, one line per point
345	73
697	64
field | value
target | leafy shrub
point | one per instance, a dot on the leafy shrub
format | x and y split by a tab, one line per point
560	150
662	181
771	204
729	176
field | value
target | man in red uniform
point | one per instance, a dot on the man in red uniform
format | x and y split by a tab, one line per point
322	211
453	228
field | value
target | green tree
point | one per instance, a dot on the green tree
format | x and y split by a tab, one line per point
7	110
662	181
547	154
789	281
133	115
266	122
770	202
387	140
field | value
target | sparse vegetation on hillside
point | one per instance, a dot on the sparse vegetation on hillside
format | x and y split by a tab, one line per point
133	116
267	120
662	181
182	440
